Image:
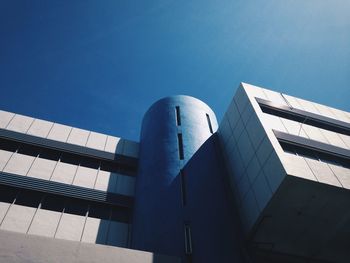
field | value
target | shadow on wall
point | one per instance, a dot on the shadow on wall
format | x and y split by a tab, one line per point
164	259
112	228
209	209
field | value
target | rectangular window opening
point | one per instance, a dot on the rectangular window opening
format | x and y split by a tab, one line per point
299	117
188	239
180	144
183	187
315	154
178	116
209	123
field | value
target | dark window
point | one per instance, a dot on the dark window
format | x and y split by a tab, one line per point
109	166
183	187
76	207
70	158
49	154
209	123
101	211
120	214
29	198
53	203
323	124
7	194
180	144
90	162
316	154
7	145
188	239
178	116
28	149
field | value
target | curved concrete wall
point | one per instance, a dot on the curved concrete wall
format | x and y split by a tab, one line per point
158	214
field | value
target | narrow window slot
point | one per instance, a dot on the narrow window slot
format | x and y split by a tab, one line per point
183	187
178	116
209	123
180	143
188	239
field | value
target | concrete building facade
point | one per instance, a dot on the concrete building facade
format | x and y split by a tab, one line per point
270	183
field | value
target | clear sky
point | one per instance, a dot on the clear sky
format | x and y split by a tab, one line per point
99	65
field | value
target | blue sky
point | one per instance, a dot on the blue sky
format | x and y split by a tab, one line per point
99	65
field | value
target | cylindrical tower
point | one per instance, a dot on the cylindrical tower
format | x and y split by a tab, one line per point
172	130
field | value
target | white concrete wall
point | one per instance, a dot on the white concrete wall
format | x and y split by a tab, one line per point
64	133
256	162
19	248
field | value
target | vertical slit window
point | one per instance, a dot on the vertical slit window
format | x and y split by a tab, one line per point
178	117
209	123
188	239
181	146
183	187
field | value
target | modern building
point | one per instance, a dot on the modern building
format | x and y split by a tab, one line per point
270	183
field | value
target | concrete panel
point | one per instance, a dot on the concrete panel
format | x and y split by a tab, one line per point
20	123
247	113
345	139
236	164
112	144
4	157
131	149
5	118
274	171
230	145
95	231
264	150
261	191
40	128
85	177
3	210
333	138
59	132
42	168
272	122
253	169
18	218
232	114
245	148
64	173
106	181
324	110
322	172
275	97
118	234
342	173
314	133
45	223
19	164
308	106
254	91
293	102
243	187
340	115
78	136
237	131
224	130
297	166
96	141
20	248
125	185
70	227
294	127
255	131
241	99
250	210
